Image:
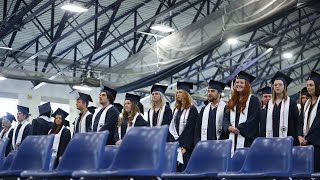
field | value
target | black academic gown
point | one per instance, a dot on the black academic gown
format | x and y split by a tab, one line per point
9	145
293	122
186	137
88	123
64	141
167	117
110	124
41	126
262	123
249	128
139	122
211	131
27	131
313	137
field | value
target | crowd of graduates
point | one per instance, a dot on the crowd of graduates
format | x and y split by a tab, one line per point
243	118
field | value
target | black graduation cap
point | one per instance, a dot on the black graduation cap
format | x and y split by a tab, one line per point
133	97
85	97
109	90
246	76
10	117
60	112
118	106
315	77
23	109
284	78
159	87
187	86
303	91
66	123
217	85
265	90
140	106
92	109
44	108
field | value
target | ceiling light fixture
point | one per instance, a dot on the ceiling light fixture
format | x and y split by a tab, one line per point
162	28
82	88
232	41
6	48
287	55
74	8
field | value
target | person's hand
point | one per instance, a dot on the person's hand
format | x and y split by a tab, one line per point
184	150
302	141
60	158
118	142
233	130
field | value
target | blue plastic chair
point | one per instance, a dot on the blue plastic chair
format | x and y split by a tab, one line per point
109	153
9	159
141	153
207	160
267	157
302	161
34	154
238	159
84	151
3	147
171	157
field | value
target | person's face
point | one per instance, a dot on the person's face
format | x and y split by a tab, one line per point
103	99
127	106
179	95
304	99
213	95
239	85
80	104
266	98
156	97
5	124
278	86
311	87
58	119
21	116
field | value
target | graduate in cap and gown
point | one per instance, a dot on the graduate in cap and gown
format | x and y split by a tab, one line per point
62	135
241	116
266	95
7	130
160	113
310	119
303	97
282	112
23	128
106	117
84	120
209	123
183	123
131	117
42	124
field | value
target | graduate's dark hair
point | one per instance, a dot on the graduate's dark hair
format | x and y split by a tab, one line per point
134	111
48	114
109	96
235	98
85	102
57	127
317	89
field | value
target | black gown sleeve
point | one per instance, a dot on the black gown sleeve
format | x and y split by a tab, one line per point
294	118
226	122
27	131
313	136
249	128
9	145
167	116
88	122
149	121
197	131
186	138
34	127
140	121
111	124
64	141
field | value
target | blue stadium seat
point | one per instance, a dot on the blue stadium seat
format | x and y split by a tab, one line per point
302	161
238	159
207	160
141	153
171	157
3	147
34	154
83	152
109	153
9	159
267	157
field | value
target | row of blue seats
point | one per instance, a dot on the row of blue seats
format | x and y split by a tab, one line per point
144	152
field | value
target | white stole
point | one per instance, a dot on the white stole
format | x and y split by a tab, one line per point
205	119
172	129
162	110
284	119
6	135
102	117
312	115
128	127
16	144
82	127
56	142
243	118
